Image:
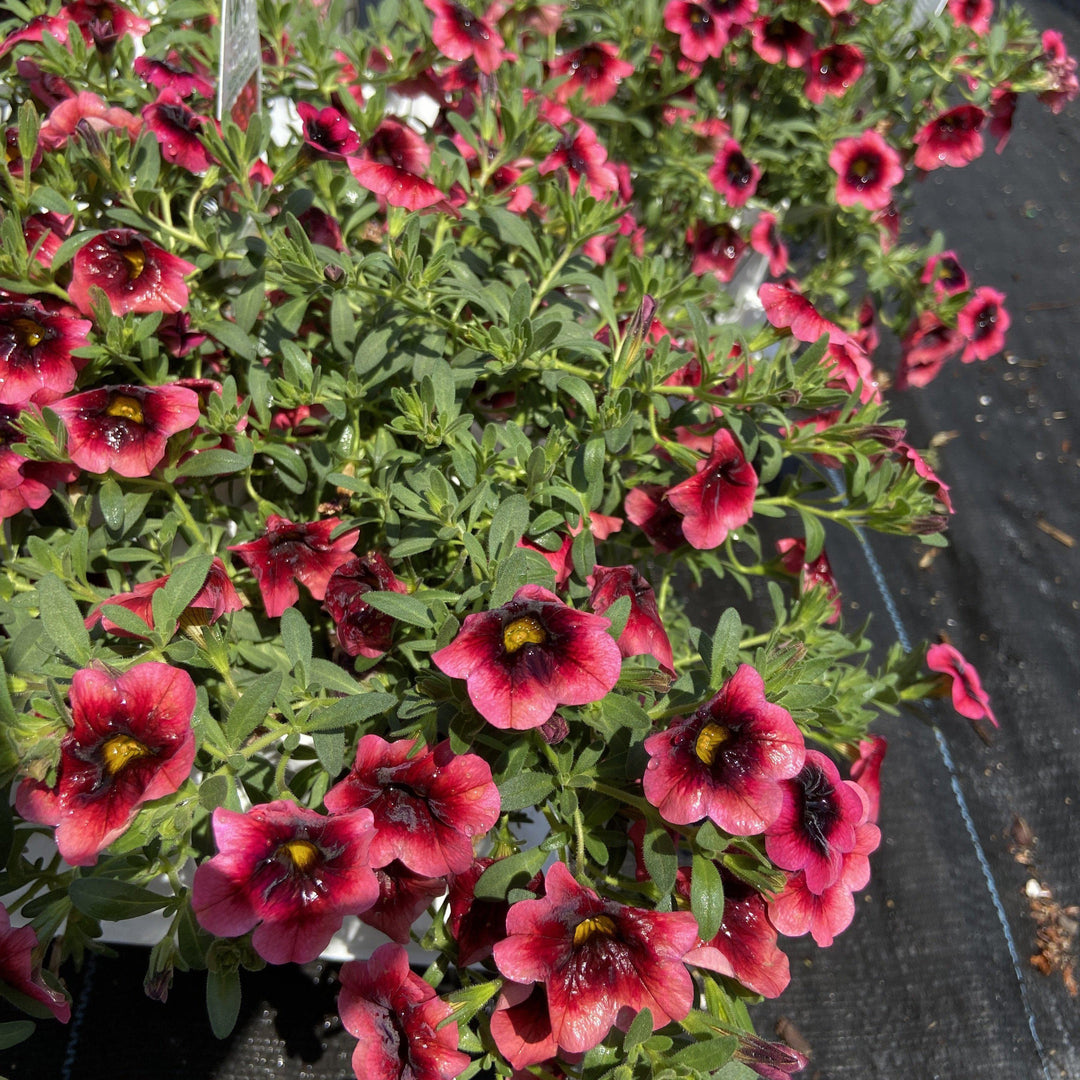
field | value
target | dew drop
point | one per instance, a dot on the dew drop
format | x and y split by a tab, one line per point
984	400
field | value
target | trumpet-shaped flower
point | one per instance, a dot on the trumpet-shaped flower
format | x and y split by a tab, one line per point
36	364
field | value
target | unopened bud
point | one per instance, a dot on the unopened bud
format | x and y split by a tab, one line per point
773	1060
554	730
928	524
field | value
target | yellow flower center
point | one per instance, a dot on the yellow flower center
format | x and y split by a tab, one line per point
303	854
121	749
127	407
28	332
135	257
523	631
595	924
709	740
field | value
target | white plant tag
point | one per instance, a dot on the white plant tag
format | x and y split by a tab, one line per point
240	72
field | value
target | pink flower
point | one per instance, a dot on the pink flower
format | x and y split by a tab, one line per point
945	273
130	742
765	240
403	898
584	158
136	275
733	174
701	33
461	35
866	772
644	633
600	961
177	128
36	364
1060	72
646	507
728	762
392	163
780	40
924	350
26	484
527	657
1003	103
327	131
288	553
968	696
787	309
816	825
832	70
289	872
89	109
216	597
816	574
983	322
867	170
360	629
169	74
477	924
719	497
20	973
521	1025
125	428
716	249
950	139
594	69
398	1020
428	807
974	14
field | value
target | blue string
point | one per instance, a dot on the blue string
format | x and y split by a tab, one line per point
954	782
77	1017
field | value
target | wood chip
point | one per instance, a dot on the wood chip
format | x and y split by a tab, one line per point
1059	535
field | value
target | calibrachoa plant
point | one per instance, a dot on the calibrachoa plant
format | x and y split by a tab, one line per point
367	476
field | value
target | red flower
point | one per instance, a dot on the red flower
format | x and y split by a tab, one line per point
911	456
521	1025
54	25
744	948
125	428
1060	72
765	240
1002	107
461	35
983	322
168	74
217	596
594	69
816	826
924	350
390	164
974	14
288	552
90	110
733	174
137	276
584	158
701	33
782	41
327	131
647	508
812	575
18	971
644	633
787	309
175	333
728	762
867	170
833	70
361	630
600	961
968	696
473	923
950	139
289	872
44	233
719	497
177	128
36	364
399	1021
26	484
945	273
403	898
866	772
717	250
130	742
530	655
428	807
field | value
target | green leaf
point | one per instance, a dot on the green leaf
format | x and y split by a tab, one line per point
216	462
62	621
508	525
111	503
252	708
725	647
401	606
14	1032
706	897
641	1027
107	898
706	1056
814	532
660	859
233	338
222	1001
525	790
296	637
214	791
515	870
511	230
581	392
330	746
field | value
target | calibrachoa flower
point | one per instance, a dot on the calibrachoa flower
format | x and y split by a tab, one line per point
289	552
719	497
644	633
428	807
361	629
816	574
135	274
290	872
950	139
476	924
983	322
584	158
214	599
867	168
833	70
717	249
327	131
85	110
532	654
765	240
177	128
727	762
733	174
521	1025
701	33
787	309
26	484
392	163
130	742
600	961
944	272
780	40
974	14
398	1020
594	69
924	350
36	364
968	696
866	772
18	971
647	508
403	898
816	824
170	74
125	428
461	35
